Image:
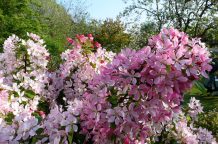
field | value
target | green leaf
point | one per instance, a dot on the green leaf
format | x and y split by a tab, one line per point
43	106
29	94
200	87
39	131
168	68
37	116
113	99
113	125
34	140
70	137
188	118
93	65
15	94
9	118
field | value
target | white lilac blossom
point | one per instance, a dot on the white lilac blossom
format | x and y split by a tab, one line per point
205	136
23	77
195	107
182	129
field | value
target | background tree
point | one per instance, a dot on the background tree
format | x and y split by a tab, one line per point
141	34
195	17
16	16
112	35
57	24
76	8
86	26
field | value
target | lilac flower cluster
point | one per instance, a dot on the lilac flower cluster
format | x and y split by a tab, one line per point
140	90
79	66
23	77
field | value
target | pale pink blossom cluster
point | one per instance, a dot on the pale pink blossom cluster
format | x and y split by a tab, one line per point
8	59
17	121
184	134
183	130
4	104
59	123
24	61
23	77
128	98
79	66
26	81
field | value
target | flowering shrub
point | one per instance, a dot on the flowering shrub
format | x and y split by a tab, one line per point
99	97
140	90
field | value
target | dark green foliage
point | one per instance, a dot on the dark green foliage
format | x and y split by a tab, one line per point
57	25
17	17
43	106
60	99
10	116
112	35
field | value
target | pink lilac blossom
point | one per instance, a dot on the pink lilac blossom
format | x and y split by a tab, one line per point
141	89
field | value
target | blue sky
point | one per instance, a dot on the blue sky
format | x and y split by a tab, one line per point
102	9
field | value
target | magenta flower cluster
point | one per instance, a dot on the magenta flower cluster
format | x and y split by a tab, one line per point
96	96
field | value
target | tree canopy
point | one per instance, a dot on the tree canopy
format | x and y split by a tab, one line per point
196	17
112	35
17	16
